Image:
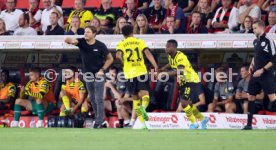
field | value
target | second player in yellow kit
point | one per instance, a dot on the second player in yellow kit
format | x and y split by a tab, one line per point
189	83
131	53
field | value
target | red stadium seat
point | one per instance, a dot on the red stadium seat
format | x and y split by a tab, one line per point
22	4
118	3
41	6
93	4
68	4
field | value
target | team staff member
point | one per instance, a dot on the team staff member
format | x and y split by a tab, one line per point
73	94
189	83
42	98
131	53
7	91
261	69
95	59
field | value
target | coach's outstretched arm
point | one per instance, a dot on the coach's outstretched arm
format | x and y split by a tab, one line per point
72	41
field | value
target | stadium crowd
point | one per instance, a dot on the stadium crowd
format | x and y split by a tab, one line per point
147	17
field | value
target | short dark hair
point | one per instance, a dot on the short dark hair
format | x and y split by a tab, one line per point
35	69
26	17
114	68
92	28
127	30
73	68
196	12
175	2
260	23
246	66
173	41
221	69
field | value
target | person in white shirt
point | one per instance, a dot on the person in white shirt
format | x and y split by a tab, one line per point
24	28
249	9
11	15
49	8
226	17
34	13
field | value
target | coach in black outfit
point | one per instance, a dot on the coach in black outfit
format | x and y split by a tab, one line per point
261	69
95	59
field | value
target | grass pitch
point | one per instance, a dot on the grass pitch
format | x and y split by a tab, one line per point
128	139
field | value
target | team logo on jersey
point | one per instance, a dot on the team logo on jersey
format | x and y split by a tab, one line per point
263	44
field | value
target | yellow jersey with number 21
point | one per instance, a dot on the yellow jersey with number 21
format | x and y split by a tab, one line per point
133	58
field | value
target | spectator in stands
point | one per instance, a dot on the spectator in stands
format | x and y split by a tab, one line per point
34	14
143	4
191	5
269	5
45	18
54	28
2	5
195	27
107	15
177	13
120	99
130	12
121	22
206	13
247	25
156	15
142	25
97	23
7	91
271	28
226	18
75	30
169	28
24	26
84	15
223	94
3	30
249	9
242	90
11	15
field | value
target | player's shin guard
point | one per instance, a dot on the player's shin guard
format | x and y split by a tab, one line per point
66	102
251	109
40	111
17	112
137	105
197	113
189	112
145	101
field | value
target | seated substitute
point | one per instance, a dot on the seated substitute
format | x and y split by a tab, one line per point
73	94
37	96
223	94
241	95
120	99
7	91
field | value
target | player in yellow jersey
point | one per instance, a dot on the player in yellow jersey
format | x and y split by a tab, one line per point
73	94
7	91
37	96
131	53
189	83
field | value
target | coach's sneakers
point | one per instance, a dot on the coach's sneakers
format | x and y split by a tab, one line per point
40	124
194	126
247	127
14	124
204	123
144	113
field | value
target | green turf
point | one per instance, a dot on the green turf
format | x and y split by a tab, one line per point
128	139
